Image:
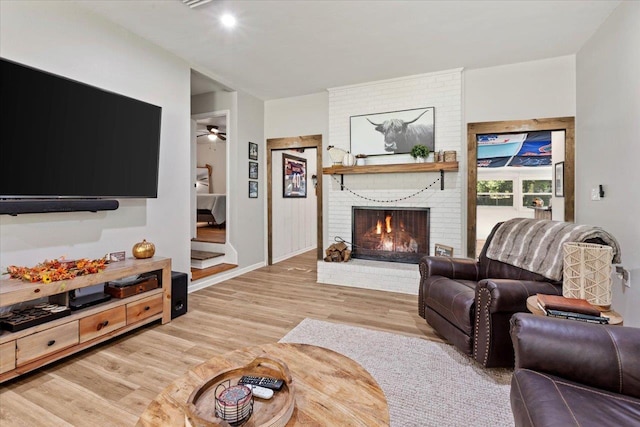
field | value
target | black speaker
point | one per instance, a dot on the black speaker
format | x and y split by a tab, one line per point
24	206
178	294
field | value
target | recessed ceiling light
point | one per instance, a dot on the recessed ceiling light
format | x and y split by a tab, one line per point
228	20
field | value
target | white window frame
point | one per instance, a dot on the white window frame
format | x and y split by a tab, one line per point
518	177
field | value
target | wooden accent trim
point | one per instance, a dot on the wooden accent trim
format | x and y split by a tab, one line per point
307	141
397	168
566	124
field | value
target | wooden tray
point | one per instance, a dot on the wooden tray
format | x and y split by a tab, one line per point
275	412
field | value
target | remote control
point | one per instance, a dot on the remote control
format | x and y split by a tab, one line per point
261	392
267	382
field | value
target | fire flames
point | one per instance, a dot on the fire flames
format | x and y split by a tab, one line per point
406	243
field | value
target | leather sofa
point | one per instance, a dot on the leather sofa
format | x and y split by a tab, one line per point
572	373
470	302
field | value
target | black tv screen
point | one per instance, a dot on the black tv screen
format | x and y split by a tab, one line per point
60	138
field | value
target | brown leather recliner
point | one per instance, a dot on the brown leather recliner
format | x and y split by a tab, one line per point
470	303
574	373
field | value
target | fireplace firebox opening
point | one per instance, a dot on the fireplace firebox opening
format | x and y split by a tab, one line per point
390	234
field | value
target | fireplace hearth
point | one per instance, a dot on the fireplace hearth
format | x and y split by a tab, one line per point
396	234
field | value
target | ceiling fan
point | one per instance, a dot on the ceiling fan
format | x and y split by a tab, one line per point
213	133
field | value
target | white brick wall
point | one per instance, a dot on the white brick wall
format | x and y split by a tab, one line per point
442	90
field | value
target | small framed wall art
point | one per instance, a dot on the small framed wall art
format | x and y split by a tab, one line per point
253	151
253	170
253	189
294	174
443	250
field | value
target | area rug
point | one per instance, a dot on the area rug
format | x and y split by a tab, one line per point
426	383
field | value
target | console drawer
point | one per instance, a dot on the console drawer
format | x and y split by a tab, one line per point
102	323
46	342
7	356
147	307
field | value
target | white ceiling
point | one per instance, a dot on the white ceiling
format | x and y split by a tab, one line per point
288	48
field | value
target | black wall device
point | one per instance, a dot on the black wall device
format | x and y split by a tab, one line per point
178	294
24	206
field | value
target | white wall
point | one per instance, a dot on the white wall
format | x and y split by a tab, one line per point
250	213
607	150
295	221
527	90
214	154
299	116
64	39
246	223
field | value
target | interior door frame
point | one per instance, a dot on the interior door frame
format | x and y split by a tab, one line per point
308	141
566	124
227	164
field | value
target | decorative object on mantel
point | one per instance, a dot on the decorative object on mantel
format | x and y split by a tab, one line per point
450	156
348	160
394	132
337	252
439	156
361	159
57	269
420	153
336	154
144	249
587	272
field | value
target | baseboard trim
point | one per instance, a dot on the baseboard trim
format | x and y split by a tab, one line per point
292	254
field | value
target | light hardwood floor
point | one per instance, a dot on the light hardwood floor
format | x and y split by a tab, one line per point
112	384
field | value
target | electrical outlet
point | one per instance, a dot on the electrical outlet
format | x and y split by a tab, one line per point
624	275
595	194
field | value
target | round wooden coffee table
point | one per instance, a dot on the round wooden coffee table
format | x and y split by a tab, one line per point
615	318
330	389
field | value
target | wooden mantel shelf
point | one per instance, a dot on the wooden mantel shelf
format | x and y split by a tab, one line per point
397	168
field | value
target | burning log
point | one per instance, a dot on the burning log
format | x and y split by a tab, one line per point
337	252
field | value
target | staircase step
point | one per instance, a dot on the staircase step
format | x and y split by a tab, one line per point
197	274
208	247
203	255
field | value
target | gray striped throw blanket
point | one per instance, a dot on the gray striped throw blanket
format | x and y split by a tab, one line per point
536	244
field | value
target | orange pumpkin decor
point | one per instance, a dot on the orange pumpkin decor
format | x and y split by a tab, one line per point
144	249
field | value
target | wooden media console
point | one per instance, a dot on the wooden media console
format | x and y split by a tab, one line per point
28	349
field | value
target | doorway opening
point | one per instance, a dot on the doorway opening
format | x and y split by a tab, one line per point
211	179
313	184
209	208
511	173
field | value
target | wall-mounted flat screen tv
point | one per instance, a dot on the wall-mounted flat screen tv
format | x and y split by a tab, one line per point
60	138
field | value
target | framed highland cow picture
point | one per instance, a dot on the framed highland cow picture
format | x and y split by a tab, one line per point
395	132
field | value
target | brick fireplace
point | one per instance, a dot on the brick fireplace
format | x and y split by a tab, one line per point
411	191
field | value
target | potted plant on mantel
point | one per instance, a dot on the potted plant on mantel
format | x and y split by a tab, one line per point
420	153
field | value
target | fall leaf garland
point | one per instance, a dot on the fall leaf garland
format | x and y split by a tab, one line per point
57	269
